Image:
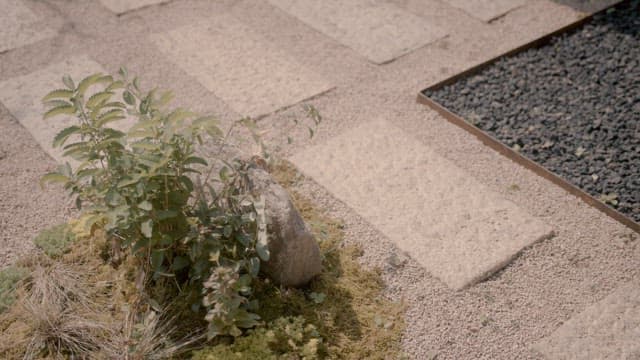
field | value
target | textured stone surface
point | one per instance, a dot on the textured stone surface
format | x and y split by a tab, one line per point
609	329
486	10
294	253
122	6
450	223
378	30
19	26
240	66
23	97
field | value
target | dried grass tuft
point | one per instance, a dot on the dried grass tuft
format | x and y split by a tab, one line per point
148	338
63	317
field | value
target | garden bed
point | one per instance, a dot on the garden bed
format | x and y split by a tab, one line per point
572	105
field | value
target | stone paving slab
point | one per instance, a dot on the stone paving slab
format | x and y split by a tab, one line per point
239	66
22	96
123	6
19	26
588	6
609	329
378	30
486	10
454	226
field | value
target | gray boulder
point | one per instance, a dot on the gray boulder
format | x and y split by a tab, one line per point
294	253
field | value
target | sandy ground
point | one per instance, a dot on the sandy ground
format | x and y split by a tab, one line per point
496	319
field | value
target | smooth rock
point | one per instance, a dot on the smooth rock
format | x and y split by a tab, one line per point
294	253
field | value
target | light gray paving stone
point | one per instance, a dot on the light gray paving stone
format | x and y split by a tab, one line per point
23	98
454	226
122	6
19	26
378	30
239	66
609	329
486	10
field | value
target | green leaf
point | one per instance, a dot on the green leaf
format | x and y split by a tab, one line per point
179	115
145	146
186	181
210	125
195	160
157	258
56	103
119	84
63	135
99	98
87	82
166	214
66	79
129	98
109	116
123	72
77	150
180	262
113	198
147	228
254	267
53	177
165	98
58	94
60	110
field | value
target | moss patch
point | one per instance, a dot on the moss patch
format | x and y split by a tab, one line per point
345	303
9	278
55	241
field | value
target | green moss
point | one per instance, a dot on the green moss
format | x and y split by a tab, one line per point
9	278
345	304
55	241
285	338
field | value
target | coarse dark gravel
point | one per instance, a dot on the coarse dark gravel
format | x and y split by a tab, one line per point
572	106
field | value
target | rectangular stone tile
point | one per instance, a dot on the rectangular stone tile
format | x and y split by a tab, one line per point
19	26
454	226
122	6
239	66
609	329
23	98
486	10
378	30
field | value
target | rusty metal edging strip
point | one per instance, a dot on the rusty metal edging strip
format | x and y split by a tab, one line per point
498	146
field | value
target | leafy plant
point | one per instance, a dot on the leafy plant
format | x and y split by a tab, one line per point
55	241
138	186
9	278
283	338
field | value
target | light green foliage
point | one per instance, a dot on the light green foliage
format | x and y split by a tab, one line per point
284	338
55	241
9	278
138	186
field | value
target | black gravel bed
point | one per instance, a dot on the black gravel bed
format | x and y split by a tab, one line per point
572	105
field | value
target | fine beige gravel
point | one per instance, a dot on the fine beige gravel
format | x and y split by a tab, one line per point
499	318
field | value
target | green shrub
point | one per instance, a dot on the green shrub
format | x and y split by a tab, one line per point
284	338
138	186
55	241
9	278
